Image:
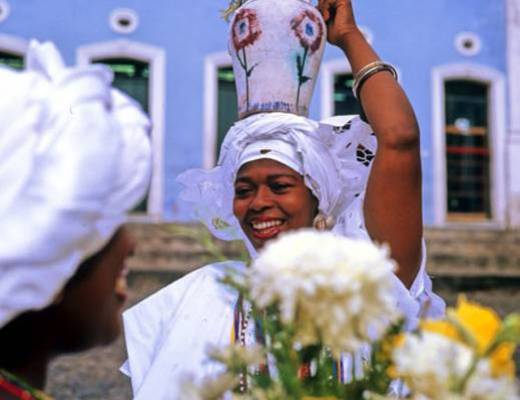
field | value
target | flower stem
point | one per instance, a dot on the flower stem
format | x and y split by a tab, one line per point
247	78
467	376
300	76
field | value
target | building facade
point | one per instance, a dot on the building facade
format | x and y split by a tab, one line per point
459	62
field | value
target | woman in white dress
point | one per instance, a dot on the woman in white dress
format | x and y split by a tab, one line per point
278	172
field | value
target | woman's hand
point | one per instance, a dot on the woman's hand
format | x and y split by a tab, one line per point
339	17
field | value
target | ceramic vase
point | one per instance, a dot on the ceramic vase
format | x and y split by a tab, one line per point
276	47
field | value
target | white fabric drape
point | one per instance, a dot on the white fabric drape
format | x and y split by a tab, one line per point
74	158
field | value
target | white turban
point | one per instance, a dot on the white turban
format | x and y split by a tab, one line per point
333	156
273	149
74	158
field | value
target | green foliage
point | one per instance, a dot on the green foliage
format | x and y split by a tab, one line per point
510	331
211	245
322	378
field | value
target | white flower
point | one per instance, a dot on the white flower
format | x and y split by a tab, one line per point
209	388
482	386
237	356
431	364
331	289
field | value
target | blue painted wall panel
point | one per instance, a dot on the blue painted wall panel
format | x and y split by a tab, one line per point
415	35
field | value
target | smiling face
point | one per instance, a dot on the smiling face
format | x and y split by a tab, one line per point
271	198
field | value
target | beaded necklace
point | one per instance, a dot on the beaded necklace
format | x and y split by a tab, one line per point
240	326
241	323
17	387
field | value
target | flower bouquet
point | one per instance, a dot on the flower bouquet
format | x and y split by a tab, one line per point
326	327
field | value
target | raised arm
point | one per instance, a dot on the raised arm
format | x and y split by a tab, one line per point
392	205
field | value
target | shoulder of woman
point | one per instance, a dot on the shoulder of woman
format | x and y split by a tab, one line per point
161	303
149	324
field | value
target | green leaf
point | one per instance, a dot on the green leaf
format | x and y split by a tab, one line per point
510	331
250	70
262	380
299	65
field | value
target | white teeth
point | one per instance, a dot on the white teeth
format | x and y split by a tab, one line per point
265	225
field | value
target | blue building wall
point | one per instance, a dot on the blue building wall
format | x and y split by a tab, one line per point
414	35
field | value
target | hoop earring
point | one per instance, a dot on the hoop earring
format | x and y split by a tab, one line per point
321	222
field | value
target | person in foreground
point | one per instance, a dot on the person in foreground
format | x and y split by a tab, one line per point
74	158
278	172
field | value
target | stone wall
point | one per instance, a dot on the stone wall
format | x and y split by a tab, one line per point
451	252
473	252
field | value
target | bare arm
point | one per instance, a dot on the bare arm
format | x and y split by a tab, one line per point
392	206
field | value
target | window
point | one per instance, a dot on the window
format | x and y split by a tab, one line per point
11	60
469	145
131	77
140	71
227	109
344	101
467	150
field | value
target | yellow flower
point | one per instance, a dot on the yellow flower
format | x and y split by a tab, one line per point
501	359
482	322
391	342
443	328
387	348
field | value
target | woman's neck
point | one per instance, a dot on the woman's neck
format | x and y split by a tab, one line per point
33	373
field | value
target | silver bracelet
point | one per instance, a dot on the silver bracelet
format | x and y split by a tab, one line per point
367	71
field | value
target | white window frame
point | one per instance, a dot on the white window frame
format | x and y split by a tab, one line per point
212	63
6	8
513	76
328	70
497	126
156	58
13	44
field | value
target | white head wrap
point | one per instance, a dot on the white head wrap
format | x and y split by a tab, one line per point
74	158
332	156
273	149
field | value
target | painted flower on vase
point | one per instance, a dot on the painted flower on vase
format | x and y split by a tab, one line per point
309	29
244	32
245	29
